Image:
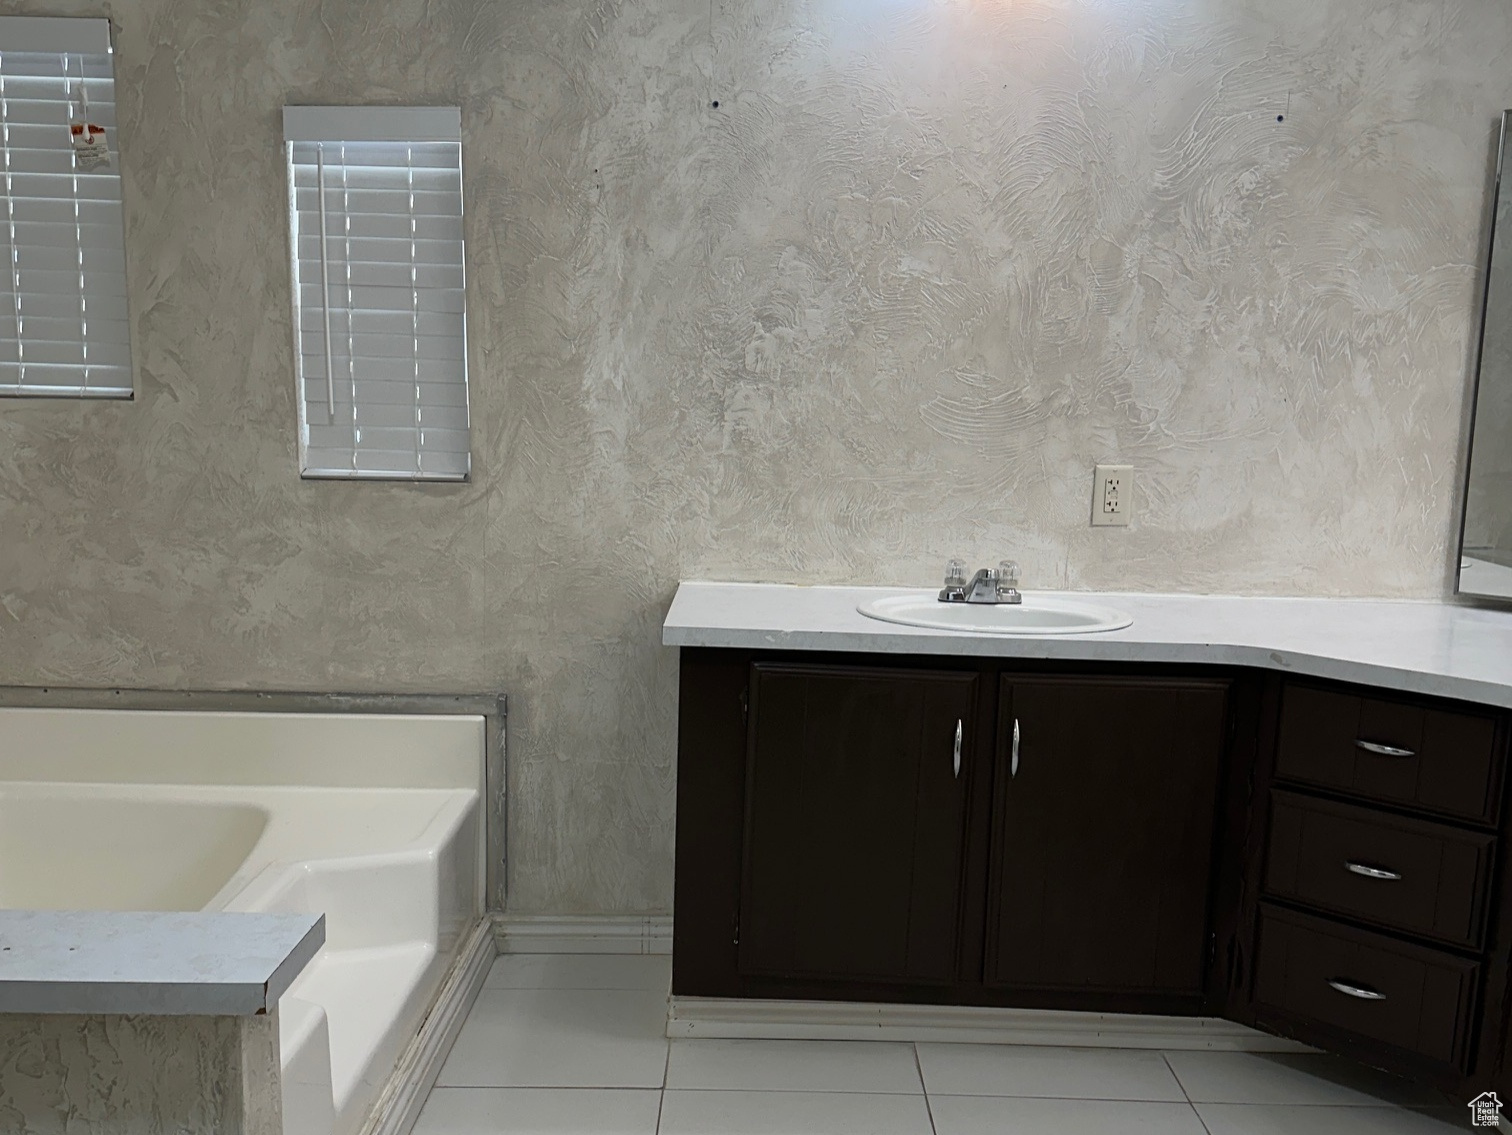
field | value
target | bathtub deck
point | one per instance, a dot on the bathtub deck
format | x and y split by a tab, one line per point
199	963
376	820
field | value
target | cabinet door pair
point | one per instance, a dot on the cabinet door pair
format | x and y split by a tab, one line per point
1100	794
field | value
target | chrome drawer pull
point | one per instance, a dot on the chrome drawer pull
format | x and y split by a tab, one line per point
1381	750
1371	872
958	748
1013	768
1350	989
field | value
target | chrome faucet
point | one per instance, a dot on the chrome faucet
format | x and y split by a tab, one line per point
990	585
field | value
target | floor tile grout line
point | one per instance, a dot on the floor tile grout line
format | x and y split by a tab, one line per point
924	1088
845	1092
1186	1095
868	1093
1079	1098
661	1102
1191	1103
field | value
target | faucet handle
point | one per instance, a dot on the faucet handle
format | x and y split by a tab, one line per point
1008	577
954	590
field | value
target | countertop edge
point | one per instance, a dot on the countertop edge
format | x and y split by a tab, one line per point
134	999
680	631
142	963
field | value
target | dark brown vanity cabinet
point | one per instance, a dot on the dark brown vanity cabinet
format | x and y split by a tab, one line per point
1372	918
948	832
1322	861
1435	758
854	825
1326	982
1102	839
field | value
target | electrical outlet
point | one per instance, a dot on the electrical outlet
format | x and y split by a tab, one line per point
1112	495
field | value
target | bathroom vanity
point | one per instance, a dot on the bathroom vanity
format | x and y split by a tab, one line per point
1287	813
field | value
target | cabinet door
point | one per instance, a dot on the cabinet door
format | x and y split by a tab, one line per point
854	826
1103	839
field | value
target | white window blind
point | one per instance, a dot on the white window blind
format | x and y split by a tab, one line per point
63	325
380	319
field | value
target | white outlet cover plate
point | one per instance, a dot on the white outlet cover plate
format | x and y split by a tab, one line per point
1121	488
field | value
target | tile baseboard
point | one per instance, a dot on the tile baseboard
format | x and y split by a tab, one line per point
574	934
736	1018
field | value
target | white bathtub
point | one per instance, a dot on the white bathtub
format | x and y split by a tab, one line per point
374	820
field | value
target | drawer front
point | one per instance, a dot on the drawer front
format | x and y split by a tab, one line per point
1411	875
1409	997
1440	760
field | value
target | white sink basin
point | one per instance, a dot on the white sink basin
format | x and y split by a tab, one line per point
1036	615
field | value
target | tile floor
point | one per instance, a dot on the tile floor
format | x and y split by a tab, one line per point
563	1044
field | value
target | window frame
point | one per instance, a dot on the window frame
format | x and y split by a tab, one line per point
88	37
355	126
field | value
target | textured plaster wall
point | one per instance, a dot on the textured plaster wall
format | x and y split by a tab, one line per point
139	1075
925	264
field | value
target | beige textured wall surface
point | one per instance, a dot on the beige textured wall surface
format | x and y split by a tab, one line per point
63	1074
926	263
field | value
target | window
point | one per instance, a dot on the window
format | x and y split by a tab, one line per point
375	213
63	325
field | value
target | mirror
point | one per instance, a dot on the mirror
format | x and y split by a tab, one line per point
1485	563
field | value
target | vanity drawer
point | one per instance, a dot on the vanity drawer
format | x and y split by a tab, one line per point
1316	972
1411	875
1445	761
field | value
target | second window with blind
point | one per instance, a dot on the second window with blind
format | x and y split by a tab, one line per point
380	320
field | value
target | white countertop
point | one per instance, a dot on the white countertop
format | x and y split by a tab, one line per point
1440	649
200	963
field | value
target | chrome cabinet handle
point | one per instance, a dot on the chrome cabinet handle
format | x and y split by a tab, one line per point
1370	872
1383	750
1013	767
958	749
1350	989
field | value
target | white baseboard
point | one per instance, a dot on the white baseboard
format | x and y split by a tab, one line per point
572	934
846	1020
399	1106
